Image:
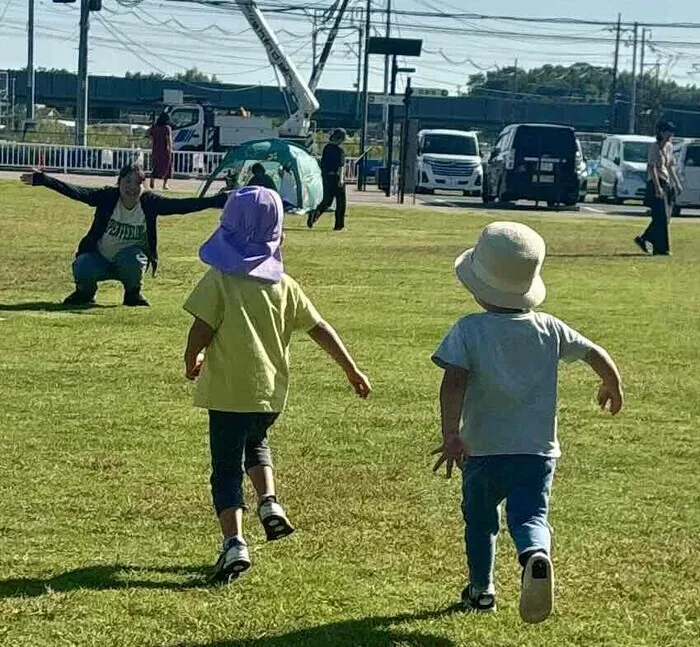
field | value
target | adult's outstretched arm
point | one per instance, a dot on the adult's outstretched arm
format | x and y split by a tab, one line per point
162	206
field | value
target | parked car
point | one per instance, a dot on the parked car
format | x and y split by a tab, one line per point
623	168
450	160
688	162
540	162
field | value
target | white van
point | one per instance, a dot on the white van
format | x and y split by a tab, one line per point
450	160
688	163
623	168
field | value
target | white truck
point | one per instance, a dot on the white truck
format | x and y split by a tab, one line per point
449	160
200	127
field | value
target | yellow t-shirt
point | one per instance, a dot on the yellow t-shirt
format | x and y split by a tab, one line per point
246	366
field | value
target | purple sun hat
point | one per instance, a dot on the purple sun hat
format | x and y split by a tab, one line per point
247	242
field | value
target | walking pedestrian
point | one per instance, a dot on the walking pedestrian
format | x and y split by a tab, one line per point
663	186
332	167
161	135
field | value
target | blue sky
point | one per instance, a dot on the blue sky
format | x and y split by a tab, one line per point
164	36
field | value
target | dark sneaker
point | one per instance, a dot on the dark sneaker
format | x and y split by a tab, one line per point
662	254
537	594
479	602
274	519
642	244
134	299
79	298
233	560
311	219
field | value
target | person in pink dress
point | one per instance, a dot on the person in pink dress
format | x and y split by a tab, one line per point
161	135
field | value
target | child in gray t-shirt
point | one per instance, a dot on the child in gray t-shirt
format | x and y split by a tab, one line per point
498	403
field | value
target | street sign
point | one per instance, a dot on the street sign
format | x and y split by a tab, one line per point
386	99
430	92
395	46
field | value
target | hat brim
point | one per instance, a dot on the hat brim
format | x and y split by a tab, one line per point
262	262
484	292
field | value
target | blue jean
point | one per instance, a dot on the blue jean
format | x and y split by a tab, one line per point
238	442
525	482
127	267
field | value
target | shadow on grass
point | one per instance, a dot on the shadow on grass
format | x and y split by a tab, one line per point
367	632
107	577
599	255
49	306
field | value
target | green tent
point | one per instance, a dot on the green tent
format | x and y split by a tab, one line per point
295	172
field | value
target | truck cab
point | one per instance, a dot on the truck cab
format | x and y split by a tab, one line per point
449	160
198	127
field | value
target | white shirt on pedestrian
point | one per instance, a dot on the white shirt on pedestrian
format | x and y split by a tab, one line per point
126	228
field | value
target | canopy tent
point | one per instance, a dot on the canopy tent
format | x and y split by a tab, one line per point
295	172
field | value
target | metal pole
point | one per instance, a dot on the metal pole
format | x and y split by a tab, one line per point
633	96
390	131
640	84
360	39
613	91
314	41
81	107
385	111
404	139
30	63
365	98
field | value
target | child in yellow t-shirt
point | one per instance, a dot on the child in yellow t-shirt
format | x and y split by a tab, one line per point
245	309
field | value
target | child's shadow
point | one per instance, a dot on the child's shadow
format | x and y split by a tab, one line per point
366	632
108	576
49	306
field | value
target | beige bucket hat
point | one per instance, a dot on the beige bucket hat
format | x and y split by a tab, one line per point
503	268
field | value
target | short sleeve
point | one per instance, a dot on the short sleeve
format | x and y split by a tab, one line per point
453	350
206	301
573	345
306	316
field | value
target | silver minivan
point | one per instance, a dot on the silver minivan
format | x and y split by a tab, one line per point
623	168
688	163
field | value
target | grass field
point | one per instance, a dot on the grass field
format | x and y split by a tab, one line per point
106	527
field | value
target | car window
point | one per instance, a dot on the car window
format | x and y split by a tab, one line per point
692	156
182	117
636	152
450	145
556	142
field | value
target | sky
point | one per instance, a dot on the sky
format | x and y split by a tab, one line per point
169	36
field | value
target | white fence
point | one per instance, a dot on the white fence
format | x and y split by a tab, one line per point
93	159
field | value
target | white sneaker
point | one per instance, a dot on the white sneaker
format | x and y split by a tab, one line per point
273	519
232	561
537	594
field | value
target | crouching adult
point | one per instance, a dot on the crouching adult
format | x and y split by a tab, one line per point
122	242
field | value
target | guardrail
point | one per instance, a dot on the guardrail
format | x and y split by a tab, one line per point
98	160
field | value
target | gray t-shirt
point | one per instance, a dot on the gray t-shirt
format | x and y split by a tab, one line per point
512	359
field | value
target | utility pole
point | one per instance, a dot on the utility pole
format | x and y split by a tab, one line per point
30	63
81	107
515	77
360	39
613	90
314	39
633	96
365	99
640	84
385	113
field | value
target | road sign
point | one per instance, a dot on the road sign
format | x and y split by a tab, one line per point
430	92
386	99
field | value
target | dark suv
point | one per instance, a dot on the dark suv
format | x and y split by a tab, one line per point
538	162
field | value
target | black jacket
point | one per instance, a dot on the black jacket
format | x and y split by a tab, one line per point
332	159
104	199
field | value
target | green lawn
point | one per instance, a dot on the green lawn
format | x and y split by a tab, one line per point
106	527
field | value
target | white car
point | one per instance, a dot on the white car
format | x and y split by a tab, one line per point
449	160
623	168
688	164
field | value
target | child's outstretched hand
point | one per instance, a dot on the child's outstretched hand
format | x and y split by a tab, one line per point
453	450
359	382
611	398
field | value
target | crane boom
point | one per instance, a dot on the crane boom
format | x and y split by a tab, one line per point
299	122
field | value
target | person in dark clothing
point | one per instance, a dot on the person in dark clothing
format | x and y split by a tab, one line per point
663	185
261	178
122	241
332	166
